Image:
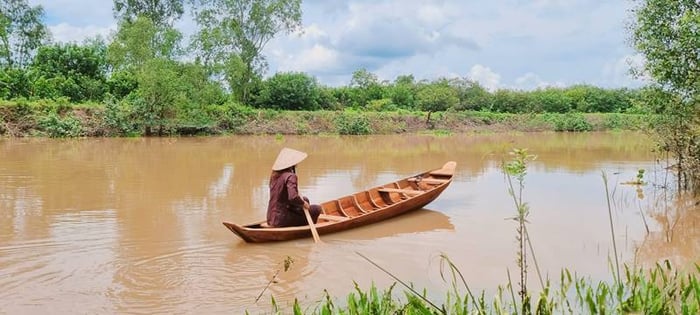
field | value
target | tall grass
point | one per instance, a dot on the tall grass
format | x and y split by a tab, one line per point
660	290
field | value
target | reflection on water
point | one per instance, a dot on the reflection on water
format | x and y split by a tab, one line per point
675	235
134	225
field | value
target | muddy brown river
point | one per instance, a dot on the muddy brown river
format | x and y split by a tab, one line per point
134	225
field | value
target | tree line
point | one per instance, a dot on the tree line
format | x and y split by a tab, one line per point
148	63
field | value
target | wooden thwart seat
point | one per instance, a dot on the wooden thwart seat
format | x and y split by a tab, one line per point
329	217
401	191
434	181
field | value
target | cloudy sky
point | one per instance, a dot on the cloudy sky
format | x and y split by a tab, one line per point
521	44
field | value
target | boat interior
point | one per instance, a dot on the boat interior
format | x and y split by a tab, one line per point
381	197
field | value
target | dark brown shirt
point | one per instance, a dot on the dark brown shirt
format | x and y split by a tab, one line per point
286	205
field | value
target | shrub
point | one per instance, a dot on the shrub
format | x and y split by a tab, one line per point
572	122
289	91
351	123
60	127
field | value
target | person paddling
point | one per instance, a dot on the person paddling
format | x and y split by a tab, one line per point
286	205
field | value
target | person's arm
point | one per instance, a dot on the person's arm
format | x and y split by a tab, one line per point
293	193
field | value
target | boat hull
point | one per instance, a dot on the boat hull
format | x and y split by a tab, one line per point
354	211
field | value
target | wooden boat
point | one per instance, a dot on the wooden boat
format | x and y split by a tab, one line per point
361	208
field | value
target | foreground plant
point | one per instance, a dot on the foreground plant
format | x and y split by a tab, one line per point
517	169
660	290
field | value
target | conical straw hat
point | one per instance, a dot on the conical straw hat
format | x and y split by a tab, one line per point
288	158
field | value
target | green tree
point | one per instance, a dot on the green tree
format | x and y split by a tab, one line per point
472	96
160	92
161	12
233	34
14	83
121	83
365	87
435	97
289	91
509	101
667	33
403	92
199	88
21	32
70	70
141	40
549	100
148	51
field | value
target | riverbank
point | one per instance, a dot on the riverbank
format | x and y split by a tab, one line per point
56	119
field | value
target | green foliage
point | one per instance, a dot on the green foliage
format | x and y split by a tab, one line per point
437	97
344	97
61	127
141	40
517	169
667	34
403	92
326	99
352	123
364	88
21	32
233	34
507	101
384	104
371	302
231	116
676	130
660	290
572	122
159	94
472	96
69	70
121	83
117	118
163	12
289	91
198	87
14	83
549	100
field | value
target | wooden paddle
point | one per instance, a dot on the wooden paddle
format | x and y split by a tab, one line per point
311	224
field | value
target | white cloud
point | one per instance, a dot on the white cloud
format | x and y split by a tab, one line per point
77	12
525	43
312	33
64	32
485	76
318	59
618	72
530	81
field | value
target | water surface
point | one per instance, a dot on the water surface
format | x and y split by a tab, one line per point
134	225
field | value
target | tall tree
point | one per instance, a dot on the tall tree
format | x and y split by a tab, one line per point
435	97
21	32
233	34
365	87
161	12
148	51
667	33
141	40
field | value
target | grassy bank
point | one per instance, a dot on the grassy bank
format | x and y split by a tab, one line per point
61	119
660	290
